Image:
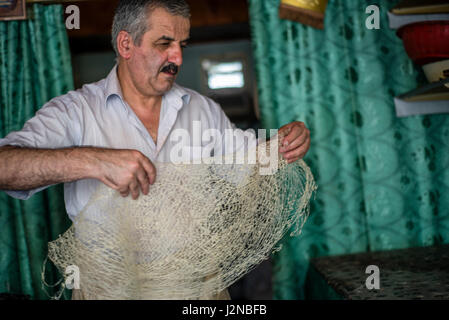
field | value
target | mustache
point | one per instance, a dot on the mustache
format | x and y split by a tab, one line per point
170	68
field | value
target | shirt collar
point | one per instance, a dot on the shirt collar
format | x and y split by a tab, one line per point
112	86
176	97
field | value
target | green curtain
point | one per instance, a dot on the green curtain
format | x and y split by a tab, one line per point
382	181
35	66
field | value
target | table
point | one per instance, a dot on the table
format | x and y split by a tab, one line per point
414	273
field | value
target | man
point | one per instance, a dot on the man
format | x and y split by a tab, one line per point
113	130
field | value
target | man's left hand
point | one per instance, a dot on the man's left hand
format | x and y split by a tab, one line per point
296	142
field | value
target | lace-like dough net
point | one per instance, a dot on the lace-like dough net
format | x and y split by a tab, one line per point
200	229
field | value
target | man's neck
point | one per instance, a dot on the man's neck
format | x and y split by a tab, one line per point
135	99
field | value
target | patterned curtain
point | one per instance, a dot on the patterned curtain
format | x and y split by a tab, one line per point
382	181
35	66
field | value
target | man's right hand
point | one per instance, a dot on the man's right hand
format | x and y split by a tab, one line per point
127	171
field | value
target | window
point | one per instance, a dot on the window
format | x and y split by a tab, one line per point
221	75
224	75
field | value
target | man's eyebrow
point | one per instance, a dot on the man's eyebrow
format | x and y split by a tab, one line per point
171	39
165	38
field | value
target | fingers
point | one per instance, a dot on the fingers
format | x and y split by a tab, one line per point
144	176
299	152
150	170
124	192
296	142
143	181
138	183
134	188
128	172
110	183
293	130
285	130
296	138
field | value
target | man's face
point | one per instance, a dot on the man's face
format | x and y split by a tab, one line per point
151	63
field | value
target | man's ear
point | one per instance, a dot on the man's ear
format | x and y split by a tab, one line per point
124	44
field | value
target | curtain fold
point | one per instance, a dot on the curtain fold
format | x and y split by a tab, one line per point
382	181
35	66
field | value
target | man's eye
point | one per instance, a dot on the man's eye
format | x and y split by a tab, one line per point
165	44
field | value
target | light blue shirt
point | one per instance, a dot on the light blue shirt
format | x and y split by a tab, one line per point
97	115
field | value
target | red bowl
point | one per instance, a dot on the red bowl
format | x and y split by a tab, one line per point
426	42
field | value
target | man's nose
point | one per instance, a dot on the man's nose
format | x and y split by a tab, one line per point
175	55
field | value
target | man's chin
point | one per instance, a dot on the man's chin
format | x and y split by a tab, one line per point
168	77
164	86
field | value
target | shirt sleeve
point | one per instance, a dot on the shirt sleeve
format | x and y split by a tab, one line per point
233	139
54	126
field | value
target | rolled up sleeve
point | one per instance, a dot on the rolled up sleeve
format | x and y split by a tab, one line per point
56	125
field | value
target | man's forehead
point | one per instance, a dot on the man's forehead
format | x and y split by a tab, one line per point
166	28
162	23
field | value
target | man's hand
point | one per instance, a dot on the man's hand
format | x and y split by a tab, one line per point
296	142
127	171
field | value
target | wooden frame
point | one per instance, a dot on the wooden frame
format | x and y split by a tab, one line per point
305	16
12	10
